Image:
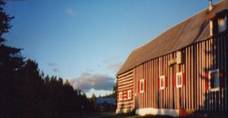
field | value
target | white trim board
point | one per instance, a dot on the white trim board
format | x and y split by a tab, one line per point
154	111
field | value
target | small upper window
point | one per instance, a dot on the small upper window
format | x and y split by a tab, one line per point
141	86
162	82
129	94
214	80
120	95
222	24
179	80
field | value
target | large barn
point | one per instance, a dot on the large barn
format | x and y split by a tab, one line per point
183	70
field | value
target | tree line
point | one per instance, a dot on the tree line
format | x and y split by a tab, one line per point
25	91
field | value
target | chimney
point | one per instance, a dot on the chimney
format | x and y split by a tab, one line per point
210	5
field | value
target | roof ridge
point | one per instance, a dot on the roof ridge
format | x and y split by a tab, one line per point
191	27
175	25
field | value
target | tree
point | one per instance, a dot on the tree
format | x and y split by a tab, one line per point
11	63
4	20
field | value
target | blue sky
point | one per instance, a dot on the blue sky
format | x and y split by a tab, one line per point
87	40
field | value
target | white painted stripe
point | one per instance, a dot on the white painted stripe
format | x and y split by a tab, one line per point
126	82
125	79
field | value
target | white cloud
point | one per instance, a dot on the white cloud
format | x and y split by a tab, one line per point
88	81
97	92
70	12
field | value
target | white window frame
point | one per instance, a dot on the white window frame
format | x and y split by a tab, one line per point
162	79
120	96
177	83
141	89
129	94
222	24
216	88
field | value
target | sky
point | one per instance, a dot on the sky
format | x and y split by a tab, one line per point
87	41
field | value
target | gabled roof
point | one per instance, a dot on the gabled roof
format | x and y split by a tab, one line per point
194	29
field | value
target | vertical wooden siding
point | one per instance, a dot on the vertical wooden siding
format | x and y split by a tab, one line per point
198	58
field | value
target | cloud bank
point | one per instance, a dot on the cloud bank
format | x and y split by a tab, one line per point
87	81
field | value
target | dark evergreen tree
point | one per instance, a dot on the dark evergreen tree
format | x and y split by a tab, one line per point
10	65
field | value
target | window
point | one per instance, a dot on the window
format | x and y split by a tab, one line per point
141	86
129	94
214	80
211	27
120	96
179	80
162	82
222	24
